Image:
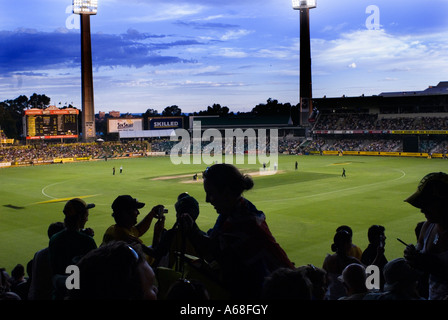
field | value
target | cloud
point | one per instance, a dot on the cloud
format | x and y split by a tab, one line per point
133	34
210	84
205	25
232	53
166	12
28	50
235	34
384	62
382	51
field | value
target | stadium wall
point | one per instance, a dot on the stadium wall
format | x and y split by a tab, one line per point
379	153
77	159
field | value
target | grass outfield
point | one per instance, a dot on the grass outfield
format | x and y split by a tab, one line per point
303	207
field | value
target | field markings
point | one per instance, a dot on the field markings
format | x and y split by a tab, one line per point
55	199
65	199
50	185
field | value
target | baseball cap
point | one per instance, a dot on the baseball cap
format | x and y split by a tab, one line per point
433	185
76	206
126	202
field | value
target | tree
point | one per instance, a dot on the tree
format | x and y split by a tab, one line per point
11	113
272	107
216	109
39	101
7	122
151	113
172	111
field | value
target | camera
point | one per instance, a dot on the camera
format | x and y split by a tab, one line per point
162	211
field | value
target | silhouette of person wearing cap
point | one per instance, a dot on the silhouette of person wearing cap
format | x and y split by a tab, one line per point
431	252
68	246
125	211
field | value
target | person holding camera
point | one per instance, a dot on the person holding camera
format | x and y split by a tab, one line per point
175	241
125	212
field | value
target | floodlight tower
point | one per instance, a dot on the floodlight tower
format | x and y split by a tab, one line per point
306	94
85	8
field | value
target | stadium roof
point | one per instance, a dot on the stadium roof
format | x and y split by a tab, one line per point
243	121
440	89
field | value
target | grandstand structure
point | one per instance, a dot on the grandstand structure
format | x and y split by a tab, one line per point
413	123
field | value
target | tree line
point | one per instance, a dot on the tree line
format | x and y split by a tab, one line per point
12	111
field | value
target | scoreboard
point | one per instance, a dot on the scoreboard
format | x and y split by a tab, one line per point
51	123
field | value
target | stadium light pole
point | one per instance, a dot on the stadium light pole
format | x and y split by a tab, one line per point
86	8
306	94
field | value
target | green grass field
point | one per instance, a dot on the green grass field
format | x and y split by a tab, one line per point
303	207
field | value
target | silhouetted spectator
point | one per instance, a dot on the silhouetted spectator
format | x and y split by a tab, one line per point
240	241
374	253
5	287
287	284
41	286
174	241
115	271
318	279
354	279
355	251
401	282
69	245
18	281
125	212
431	252
335	263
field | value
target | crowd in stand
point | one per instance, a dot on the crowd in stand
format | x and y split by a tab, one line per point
48	151
238	258
371	122
380	145
364	121
33	153
388	145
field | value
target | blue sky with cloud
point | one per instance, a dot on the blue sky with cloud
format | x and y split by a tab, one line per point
194	53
